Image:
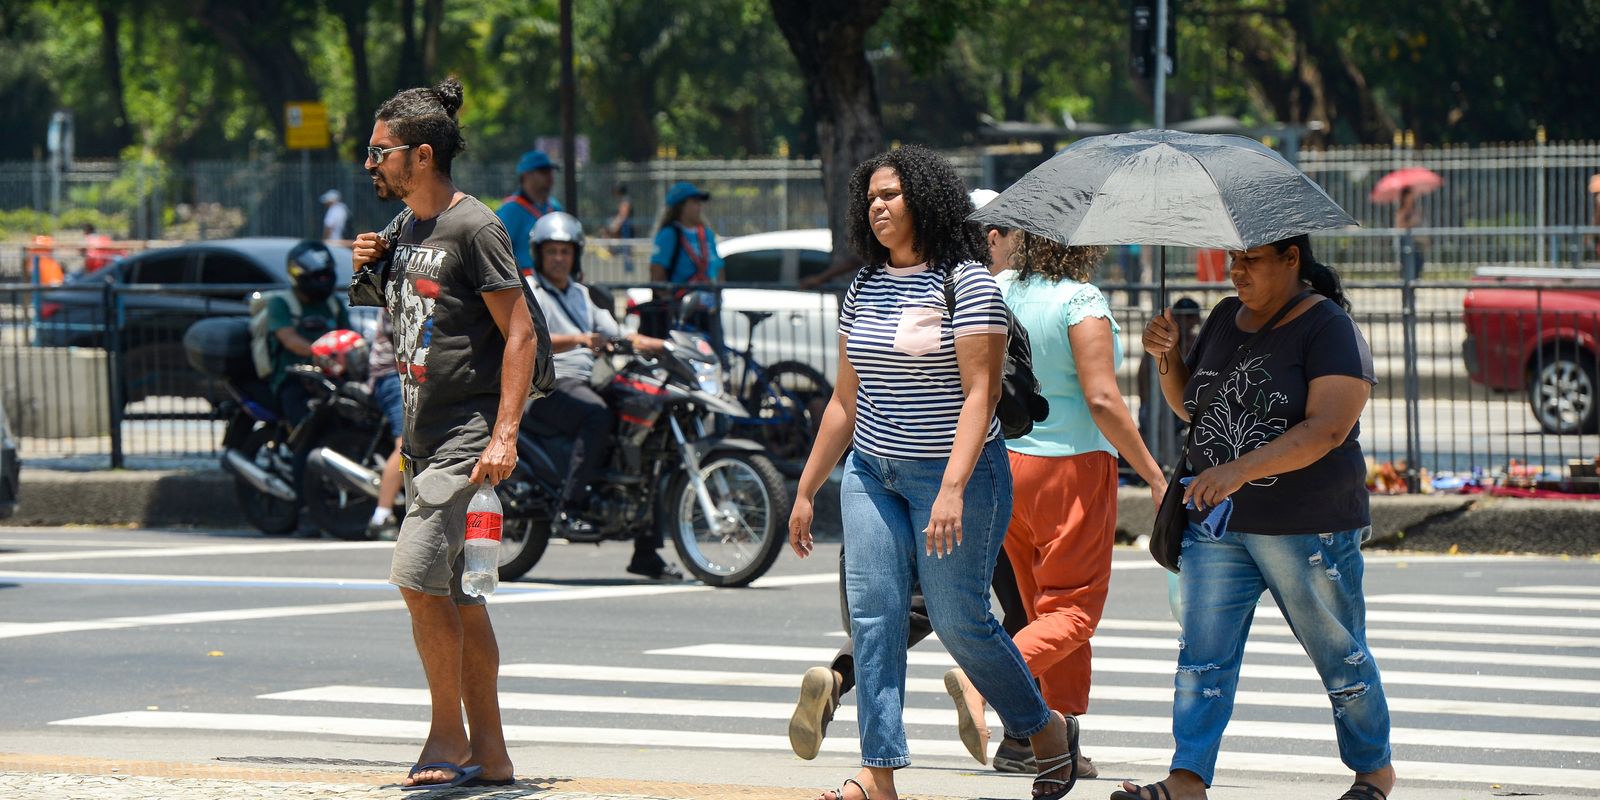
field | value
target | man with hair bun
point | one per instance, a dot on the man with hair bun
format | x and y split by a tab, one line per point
465	345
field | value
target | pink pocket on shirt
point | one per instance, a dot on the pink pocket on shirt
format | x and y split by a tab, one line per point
917	333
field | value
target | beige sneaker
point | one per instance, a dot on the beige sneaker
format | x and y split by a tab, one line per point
969	714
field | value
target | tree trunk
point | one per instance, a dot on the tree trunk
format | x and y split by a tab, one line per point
354	13
1343	86
111	64
827	38
256	34
432	17
408	71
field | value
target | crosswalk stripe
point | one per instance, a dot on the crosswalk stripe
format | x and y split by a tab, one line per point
1384	633
1383	654
1519	621
1580	590
637	737
818	655
1482	601
1111	723
1101	691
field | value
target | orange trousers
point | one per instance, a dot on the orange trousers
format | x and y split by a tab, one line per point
1063	524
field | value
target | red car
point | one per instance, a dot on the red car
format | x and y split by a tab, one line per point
1544	341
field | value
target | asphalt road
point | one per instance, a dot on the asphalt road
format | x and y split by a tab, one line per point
159	644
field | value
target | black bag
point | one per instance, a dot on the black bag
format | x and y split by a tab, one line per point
1020	403
1166	537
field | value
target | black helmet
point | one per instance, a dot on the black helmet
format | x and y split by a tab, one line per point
311	270
558	226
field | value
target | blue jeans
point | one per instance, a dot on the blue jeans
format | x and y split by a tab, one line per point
1316	581
387	392
886	504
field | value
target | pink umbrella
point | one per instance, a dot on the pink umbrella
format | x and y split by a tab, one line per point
1418	179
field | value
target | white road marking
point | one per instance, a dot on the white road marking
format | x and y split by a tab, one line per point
196	550
1481	601
137	577
1580	590
12	630
1385	655
679	739
818	655
744	709
1519	621
69	542
1382	633
1100	691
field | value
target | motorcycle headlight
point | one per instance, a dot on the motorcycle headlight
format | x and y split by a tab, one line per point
709	376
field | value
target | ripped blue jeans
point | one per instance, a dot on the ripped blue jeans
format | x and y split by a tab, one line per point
1316	582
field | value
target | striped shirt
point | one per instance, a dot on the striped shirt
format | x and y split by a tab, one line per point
901	340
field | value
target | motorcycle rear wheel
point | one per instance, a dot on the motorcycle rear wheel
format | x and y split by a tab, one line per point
268	514
748	489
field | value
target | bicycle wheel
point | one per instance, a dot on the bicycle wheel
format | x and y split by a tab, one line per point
787	407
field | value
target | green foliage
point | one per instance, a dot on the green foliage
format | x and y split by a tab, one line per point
715	78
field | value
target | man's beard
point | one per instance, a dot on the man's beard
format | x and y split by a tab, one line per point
392	191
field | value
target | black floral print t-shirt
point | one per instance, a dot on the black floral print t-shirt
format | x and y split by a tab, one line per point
1266	395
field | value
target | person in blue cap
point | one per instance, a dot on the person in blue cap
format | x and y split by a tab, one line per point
685	253
536	177
685	246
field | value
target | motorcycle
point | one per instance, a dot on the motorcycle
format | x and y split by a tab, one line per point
344	429
721	501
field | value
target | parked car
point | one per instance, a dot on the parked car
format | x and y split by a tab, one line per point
149	331
1544	342
10	468
780	257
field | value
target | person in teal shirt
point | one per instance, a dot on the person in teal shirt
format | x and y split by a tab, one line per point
1064	511
685	246
536	176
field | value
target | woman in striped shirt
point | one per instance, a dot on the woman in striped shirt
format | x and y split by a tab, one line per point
927	489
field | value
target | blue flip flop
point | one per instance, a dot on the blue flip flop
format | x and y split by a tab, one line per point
463	774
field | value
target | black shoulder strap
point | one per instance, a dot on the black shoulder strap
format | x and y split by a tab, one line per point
1238	356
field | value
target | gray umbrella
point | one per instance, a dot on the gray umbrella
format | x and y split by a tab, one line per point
1166	188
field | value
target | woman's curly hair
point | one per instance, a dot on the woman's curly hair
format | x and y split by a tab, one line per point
937	200
1038	256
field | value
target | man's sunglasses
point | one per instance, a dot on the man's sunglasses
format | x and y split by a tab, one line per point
377	154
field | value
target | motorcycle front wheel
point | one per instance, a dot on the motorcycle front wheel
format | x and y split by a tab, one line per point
522	543
751	503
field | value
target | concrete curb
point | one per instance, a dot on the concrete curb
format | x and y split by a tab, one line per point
1433	523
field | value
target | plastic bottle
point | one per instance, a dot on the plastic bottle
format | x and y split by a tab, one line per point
483	543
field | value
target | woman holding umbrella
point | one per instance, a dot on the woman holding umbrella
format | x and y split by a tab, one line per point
1279	504
926	493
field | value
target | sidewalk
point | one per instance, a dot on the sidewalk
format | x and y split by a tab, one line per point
71	778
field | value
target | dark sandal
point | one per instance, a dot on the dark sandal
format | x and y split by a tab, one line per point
1067	760
1158	791
838	794
1361	790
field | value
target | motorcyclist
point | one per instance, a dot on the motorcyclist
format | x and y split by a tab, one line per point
579	329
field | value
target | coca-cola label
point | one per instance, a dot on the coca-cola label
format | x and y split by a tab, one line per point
483	525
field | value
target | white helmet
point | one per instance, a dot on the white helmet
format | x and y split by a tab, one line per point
558	226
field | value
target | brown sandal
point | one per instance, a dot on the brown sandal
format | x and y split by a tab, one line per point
1067	761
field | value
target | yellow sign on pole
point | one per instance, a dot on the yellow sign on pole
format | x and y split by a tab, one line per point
307	126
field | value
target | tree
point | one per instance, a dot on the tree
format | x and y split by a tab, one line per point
827	38
261	36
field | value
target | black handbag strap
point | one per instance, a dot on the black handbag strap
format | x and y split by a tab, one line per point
1222	377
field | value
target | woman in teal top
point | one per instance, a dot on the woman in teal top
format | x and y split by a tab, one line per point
1064	512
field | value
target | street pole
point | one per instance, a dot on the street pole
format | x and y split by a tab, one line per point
569	140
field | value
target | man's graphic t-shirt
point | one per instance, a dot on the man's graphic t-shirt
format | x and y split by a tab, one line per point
447	347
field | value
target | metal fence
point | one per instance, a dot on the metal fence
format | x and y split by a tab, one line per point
1461	384
1521	203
